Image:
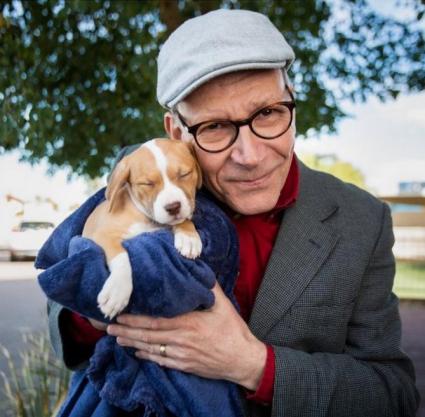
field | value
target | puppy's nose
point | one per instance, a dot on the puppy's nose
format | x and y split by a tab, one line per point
173	208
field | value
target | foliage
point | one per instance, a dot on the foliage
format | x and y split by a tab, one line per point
409	280
39	386
77	78
332	165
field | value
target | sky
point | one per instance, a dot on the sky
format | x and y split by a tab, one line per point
386	141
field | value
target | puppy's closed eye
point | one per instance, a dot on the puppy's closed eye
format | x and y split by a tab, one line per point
185	174
146	184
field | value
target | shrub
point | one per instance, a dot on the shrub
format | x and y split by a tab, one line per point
38	385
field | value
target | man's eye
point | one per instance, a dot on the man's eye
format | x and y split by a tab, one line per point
267	112
214	126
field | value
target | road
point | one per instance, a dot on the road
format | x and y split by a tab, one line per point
22	309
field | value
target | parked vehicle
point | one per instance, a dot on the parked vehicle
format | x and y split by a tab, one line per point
28	237
4	249
408	213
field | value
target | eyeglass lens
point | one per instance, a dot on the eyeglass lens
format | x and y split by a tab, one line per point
269	123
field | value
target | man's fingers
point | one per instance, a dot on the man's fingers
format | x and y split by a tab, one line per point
143	335
150	323
165	361
216	289
98	324
220	297
154	348
169	350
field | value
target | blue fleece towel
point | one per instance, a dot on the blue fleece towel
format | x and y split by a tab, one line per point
165	284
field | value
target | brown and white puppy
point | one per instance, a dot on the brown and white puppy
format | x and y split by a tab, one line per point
152	188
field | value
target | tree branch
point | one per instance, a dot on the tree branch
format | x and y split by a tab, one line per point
169	14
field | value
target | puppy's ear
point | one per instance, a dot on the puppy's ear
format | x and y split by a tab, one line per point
117	182
197	166
199	172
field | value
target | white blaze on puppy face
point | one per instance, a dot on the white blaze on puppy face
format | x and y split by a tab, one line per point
169	194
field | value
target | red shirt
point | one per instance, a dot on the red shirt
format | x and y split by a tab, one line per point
257	234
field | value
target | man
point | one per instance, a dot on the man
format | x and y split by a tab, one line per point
323	332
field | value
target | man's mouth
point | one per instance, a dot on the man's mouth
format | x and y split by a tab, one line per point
253	182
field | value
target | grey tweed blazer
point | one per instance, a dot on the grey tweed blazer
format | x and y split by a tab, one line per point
325	305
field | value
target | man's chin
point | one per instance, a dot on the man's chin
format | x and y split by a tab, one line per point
251	206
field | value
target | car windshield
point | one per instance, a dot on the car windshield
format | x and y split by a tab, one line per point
35	226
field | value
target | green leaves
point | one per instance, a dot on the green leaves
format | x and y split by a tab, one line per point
78	78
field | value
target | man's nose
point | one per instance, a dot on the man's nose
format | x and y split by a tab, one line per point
246	150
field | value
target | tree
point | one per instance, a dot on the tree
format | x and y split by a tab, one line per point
77	78
332	165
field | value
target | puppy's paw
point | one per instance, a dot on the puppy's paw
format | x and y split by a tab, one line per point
189	245
115	295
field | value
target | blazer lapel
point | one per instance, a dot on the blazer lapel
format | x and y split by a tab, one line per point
304	242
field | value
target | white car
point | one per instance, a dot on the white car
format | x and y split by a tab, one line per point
27	239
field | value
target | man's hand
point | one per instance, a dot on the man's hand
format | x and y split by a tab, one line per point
97	324
214	343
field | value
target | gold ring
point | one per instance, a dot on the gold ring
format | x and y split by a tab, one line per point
162	351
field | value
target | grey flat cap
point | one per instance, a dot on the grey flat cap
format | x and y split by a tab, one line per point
216	43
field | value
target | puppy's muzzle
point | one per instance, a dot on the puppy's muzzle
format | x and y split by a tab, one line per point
173	208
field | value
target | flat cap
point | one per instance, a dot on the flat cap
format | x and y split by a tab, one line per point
217	43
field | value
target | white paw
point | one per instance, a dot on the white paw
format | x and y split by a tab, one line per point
114	296
116	291
190	246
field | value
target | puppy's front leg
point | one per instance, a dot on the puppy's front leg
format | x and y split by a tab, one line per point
187	240
116	291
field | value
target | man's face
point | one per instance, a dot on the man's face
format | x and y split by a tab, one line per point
249	175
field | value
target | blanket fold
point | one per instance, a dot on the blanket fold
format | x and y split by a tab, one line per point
165	284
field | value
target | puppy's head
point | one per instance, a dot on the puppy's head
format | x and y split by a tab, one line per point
162	176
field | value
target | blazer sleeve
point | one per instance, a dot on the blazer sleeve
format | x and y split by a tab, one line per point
372	377
74	356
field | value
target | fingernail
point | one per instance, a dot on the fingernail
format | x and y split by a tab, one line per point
121	319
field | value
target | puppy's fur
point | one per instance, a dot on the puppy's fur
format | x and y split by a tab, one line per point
152	188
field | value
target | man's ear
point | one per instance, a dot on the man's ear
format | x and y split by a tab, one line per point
172	126
117	181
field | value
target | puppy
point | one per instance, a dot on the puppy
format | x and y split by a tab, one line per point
152	188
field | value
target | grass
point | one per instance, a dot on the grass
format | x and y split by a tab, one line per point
410	280
37	386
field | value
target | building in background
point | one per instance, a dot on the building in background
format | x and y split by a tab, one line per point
408	213
412	188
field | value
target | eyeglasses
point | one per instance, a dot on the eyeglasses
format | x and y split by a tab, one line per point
269	122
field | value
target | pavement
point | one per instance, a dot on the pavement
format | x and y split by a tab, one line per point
23	309
17	271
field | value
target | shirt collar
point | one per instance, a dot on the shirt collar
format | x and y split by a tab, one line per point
290	189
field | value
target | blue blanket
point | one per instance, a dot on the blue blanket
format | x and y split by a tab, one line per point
165	284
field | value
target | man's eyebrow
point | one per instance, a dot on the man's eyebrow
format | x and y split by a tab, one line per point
252	108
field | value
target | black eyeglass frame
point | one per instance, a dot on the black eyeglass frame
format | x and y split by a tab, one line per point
238	123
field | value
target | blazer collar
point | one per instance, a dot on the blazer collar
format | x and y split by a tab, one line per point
304	241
